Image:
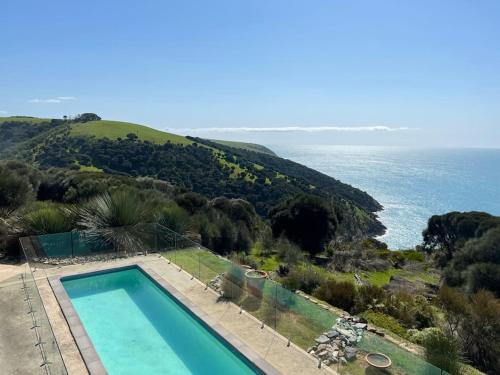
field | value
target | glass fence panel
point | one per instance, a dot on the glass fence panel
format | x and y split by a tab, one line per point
298	319
44	339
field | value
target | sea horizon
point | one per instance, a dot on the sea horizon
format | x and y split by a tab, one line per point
411	183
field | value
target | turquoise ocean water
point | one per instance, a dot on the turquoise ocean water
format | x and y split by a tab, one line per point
411	184
137	328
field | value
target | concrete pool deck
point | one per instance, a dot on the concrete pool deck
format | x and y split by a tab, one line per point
264	342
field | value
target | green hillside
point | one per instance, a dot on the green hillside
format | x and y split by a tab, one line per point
118	129
245	146
211	168
32	120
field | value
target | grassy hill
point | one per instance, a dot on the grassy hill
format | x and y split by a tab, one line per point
32	120
118	129
211	168
245	146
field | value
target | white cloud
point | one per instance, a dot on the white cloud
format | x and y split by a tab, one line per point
58	99
297	129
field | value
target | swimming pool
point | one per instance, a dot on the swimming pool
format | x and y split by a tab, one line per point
138	327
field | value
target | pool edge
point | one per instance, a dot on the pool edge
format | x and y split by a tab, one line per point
86	348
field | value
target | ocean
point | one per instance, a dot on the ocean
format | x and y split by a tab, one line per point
411	184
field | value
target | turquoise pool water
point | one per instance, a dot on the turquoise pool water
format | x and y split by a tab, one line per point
139	328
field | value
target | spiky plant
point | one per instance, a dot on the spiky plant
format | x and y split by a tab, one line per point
44	218
117	218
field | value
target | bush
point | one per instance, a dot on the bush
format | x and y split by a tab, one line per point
15	190
288	252
484	276
174	217
418	336
47	218
369	296
443	351
304	278
385	321
233	282
341	294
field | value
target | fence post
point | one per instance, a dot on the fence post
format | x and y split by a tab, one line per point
72	245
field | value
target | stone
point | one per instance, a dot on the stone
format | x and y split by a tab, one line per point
360	325
343	361
350	356
332	334
327	362
322	354
322	339
322	347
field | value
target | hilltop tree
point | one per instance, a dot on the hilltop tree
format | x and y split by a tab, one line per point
86	117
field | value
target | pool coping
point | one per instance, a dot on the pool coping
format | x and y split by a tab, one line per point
87	350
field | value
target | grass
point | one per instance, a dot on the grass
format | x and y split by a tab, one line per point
299	319
245	146
33	120
118	129
90	168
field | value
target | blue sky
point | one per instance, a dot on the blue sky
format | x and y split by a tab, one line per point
392	72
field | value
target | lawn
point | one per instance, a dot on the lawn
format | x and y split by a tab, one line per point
118	129
295	317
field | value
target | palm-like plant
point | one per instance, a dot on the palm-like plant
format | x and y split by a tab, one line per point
117	218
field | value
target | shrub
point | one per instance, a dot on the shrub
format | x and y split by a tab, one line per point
47	218
288	252
484	276
337	293
174	217
233	282
244	259
304	278
419	336
369	297
385	321
15	190
443	351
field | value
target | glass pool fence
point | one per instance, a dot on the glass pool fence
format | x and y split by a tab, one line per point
299	319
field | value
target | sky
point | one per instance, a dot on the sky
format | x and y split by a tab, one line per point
408	73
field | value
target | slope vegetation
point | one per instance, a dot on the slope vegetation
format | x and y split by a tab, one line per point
210	168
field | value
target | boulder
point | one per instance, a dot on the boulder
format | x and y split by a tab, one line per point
322	339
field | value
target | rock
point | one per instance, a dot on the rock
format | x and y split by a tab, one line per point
355	319
322	354
322	347
332	334
350	356
322	339
360	325
327	362
343	361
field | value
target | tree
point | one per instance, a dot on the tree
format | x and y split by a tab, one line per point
15	188
447	233
305	220
86	117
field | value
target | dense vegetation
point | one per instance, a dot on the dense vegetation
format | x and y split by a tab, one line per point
208	168
310	236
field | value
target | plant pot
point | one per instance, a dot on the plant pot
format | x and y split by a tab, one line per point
255	282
